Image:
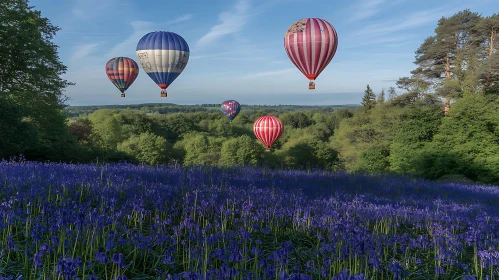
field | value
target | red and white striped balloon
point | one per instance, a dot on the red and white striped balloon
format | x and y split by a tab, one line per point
311	44
268	129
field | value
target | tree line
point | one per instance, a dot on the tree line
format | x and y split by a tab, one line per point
168	108
441	121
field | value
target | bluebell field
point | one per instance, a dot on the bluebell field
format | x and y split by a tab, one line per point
66	221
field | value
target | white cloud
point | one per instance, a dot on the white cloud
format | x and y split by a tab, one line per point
87	56
269	73
140	28
379	54
229	56
79	13
82	51
231	22
181	19
88	9
401	44
365	9
353	41
89	33
215	55
409	21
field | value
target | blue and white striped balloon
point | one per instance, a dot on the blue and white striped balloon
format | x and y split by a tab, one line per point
163	56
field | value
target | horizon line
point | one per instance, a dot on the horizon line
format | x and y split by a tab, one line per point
200	104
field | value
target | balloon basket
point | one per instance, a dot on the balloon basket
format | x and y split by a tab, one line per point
267	149
163	94
311	85
122	95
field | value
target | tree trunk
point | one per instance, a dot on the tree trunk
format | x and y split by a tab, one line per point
447	75
492	41
446	106
486	83
447	67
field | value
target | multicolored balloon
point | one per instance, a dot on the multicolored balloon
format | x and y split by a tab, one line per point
163	56
231	108
268	129
122	71
311	44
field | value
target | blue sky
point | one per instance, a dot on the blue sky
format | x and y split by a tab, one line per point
237	50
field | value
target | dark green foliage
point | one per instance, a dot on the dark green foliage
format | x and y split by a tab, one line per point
418	124
489	74
374	161
81	129
467	142
175	125
133	123
296	119
16	133
31	84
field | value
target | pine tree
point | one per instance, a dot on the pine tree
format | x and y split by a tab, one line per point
381	97
391	93
488	28
488	73
369	99
444	56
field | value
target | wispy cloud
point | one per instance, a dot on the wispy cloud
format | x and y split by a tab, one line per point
380	54
228	56
82	51
353	41
92	55
196	57
79	13
365	9
409	21
400	44
140	28
180	19
269	73
90	33
231	22
88	9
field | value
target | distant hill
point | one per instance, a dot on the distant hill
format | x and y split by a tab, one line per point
169	108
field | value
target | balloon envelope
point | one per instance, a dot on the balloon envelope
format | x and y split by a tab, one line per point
231	108
311	44
163	56
122	71
268	129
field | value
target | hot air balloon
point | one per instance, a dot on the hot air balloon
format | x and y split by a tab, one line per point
231	108
311	44
122	71
268	129
163	56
